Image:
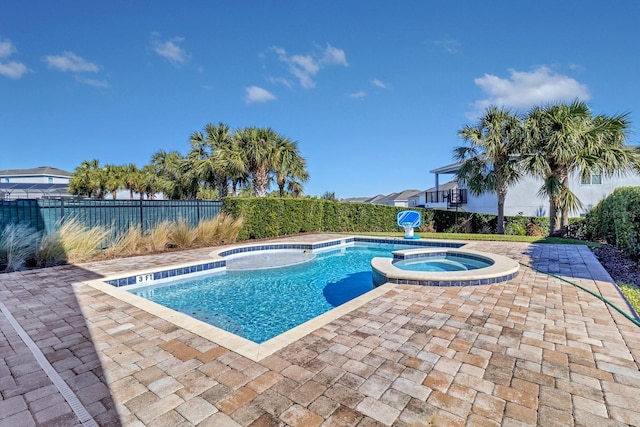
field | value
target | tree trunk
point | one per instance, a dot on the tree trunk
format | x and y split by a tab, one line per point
260	182
565	212
500	225
554	221
223	187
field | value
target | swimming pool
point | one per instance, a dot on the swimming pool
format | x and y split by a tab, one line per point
259	305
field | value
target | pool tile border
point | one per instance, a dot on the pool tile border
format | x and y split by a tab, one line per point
149	278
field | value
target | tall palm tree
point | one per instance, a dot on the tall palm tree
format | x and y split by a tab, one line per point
131	177
215	157
113	179
489	163
564	139
173	175
86	179
259	148
290	167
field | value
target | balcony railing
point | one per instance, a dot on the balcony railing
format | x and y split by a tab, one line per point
453	197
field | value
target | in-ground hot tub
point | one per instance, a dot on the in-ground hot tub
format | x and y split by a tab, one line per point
443	267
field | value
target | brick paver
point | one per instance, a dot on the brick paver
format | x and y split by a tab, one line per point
531	351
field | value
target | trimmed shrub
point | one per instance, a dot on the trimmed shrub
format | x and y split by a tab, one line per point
616	220
269	217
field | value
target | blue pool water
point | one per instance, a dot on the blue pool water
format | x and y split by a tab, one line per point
450	262
261	304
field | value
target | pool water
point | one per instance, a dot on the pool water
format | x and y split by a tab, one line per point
442	263
261	304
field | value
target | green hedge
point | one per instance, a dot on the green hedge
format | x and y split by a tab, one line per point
616	220
270	217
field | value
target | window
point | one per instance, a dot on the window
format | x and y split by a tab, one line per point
6	180
50	180
594	178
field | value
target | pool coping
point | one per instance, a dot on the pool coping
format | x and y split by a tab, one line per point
501	269
114	286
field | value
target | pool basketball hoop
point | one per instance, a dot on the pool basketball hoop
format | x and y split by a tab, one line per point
409	220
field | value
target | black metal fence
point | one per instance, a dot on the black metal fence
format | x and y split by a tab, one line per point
47	215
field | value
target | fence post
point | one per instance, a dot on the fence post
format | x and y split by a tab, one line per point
141	218
197	211
61	210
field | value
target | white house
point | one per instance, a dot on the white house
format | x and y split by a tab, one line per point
522	198
35	183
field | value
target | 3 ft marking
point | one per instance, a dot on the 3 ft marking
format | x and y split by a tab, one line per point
144	278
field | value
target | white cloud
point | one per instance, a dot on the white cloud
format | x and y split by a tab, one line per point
359	94
169	49
524	90
92	82
334	56
378	83
448	45
6	49
12	69
69	61
305	67
281	80
255	94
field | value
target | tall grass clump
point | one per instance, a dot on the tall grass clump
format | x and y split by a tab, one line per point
18	243
51	251
182	235
78	242
221	229
130	243
158	238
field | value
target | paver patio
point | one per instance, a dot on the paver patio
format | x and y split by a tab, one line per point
531	351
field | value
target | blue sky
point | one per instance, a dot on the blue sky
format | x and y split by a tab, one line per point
373	91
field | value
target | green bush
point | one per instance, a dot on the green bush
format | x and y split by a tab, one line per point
269	217
616	220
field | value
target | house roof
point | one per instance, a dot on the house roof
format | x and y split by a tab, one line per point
452	168
356	199
40	170
446	186
39	187
403	195
364	199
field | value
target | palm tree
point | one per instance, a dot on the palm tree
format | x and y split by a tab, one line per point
489	163
113	179
174	175
86	179
258	146
215	157
565	139
131	177
290	167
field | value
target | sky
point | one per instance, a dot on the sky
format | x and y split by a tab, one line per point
374	92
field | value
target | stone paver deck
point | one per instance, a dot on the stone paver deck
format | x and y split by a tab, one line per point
531	351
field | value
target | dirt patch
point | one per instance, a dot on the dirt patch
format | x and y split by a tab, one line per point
619	266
